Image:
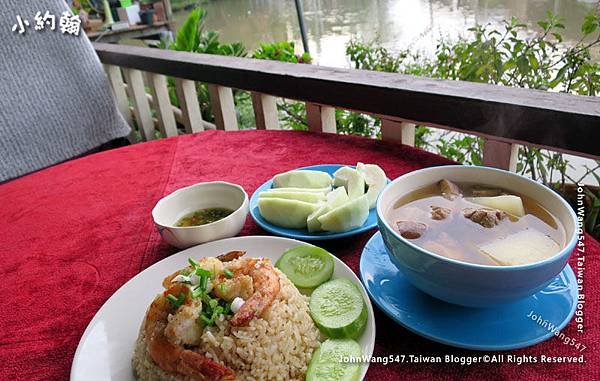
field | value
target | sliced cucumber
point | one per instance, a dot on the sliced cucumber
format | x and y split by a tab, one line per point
306	266
332	361
338	309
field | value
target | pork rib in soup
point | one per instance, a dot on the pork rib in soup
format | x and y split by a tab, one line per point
477	224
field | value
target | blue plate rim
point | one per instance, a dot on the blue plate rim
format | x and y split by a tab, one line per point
383	307
301	235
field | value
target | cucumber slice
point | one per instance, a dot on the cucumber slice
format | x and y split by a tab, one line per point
325	364
306	266
338	309
302	179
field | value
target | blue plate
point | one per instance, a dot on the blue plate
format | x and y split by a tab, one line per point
303	234
516	325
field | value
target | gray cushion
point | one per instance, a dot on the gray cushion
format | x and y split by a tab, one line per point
55	100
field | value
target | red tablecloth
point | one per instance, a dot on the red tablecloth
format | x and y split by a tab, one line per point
74	233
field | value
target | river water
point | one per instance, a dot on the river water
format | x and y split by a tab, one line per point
396	24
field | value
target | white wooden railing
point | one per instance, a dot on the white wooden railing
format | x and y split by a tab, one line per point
505	117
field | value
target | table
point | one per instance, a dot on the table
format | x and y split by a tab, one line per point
74	233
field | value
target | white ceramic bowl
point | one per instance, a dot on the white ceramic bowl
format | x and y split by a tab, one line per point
216	194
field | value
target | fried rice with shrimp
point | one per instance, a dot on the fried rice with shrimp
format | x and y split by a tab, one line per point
226	318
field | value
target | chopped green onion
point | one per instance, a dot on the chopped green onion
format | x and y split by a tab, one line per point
206	321
176	301
197	292
193	263
185	272
228	273
222	288
201	272
203	282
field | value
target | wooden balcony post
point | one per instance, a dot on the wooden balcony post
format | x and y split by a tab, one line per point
398	132
223	107
265	111
141	107
188	102
320	118
499	154
162	104
115	78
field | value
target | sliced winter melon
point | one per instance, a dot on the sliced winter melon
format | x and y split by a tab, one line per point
508	203
352	180
350	215
303	190
375	179
526	246
302	179
286	213
335	198
300	196
340	177
312	222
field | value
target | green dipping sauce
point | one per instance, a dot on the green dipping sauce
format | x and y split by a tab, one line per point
203	217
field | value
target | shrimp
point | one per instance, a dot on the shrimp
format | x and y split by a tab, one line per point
182	327
212	264
175	358
266	287
229	289
230	256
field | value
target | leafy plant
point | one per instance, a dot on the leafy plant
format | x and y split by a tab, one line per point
192	37
499	56
284	51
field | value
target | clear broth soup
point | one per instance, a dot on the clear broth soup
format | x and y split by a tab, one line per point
459	237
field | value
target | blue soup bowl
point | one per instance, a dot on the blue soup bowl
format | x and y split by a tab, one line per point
465	283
